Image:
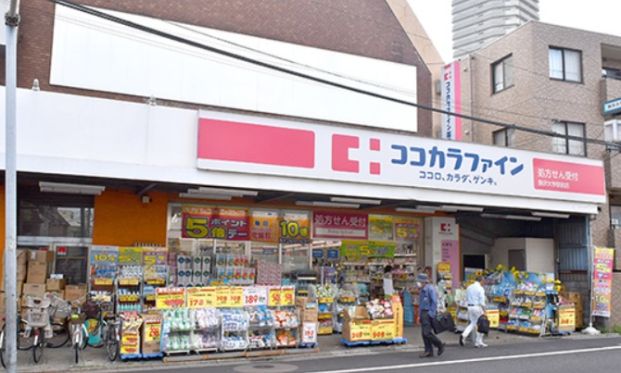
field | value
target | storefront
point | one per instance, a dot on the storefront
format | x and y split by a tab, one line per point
168	210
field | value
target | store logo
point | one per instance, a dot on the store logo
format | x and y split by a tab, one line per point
341	161
446	228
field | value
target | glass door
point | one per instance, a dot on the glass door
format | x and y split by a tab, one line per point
72	262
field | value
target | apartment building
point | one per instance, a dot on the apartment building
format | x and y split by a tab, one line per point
560	80
476	23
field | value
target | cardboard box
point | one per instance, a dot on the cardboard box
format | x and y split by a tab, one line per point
55	285
354	331
40	256
75	292
37	273
382	330
151	332
397	309
35	290
360	313
310	315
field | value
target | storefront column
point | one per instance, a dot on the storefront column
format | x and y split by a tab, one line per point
442	245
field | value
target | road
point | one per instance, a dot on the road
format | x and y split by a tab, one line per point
556	355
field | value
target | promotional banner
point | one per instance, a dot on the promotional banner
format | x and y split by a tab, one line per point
130	255
450	254
407	229
381	227
295	227
602	281
209	222
327	224
264	226
451	101
363	250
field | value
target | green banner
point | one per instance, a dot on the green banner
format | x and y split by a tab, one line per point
361	250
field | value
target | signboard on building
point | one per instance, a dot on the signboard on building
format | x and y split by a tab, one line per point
210	222
612	107
362	156
327	224
451	101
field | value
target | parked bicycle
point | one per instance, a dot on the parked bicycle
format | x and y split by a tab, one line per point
77	329
102	326
37	324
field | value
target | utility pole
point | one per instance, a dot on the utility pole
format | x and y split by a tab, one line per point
10	180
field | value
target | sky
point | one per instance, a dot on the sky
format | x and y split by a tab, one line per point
592	15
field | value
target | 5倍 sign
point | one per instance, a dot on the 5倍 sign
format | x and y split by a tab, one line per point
347	154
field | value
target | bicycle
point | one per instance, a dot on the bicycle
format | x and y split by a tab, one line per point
37	325
103	328
77	330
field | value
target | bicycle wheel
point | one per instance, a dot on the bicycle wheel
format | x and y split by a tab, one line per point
61	336
37	347
112	343
2	348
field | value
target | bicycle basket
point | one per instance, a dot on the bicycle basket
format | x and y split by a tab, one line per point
36	317
91	310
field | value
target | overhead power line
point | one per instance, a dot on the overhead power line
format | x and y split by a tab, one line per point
301	75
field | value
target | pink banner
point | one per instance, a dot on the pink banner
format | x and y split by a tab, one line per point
340	225
450	254
602	281
568	177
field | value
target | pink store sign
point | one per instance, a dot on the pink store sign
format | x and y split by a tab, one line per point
340	225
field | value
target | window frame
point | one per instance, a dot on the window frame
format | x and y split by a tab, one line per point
501	62
507	136
564	70
565	137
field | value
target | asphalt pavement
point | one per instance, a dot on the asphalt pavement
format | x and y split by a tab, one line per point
563	355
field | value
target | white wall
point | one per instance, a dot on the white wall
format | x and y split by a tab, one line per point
539	253
92	53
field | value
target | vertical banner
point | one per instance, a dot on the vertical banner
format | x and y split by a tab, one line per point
451	101
450	254
602	281
381	227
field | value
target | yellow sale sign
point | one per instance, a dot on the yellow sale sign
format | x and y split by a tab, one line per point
201	297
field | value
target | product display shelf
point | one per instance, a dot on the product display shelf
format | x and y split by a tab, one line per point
261	331
129	289
149	287
177	328
326	315
527	314
343	302
205	336
286	327
234	330
399	340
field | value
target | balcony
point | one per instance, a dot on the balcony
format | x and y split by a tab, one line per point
611	84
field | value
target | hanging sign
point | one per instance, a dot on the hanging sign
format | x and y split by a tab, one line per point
201	297
407	229
381	227
255	296
221	223
168	298
602	281
362	250
327	224
264	226
295	227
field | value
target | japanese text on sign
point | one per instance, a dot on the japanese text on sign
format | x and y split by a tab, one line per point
205	222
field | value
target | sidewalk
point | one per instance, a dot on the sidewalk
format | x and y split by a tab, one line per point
61	359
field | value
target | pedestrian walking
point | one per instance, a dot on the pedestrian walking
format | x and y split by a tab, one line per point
428	304
475	299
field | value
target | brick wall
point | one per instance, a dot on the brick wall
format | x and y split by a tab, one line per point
362	27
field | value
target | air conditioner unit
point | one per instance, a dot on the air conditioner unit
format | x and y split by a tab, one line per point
612	130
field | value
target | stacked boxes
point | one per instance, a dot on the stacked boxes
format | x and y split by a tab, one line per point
576	299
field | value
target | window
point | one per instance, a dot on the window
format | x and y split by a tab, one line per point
55	217
502	74
564	144
503	137
565	64
615	216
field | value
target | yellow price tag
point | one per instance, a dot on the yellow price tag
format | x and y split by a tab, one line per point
222	297
236	297
287	297
274	298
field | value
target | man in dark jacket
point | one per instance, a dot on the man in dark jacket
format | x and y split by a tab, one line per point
428	304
